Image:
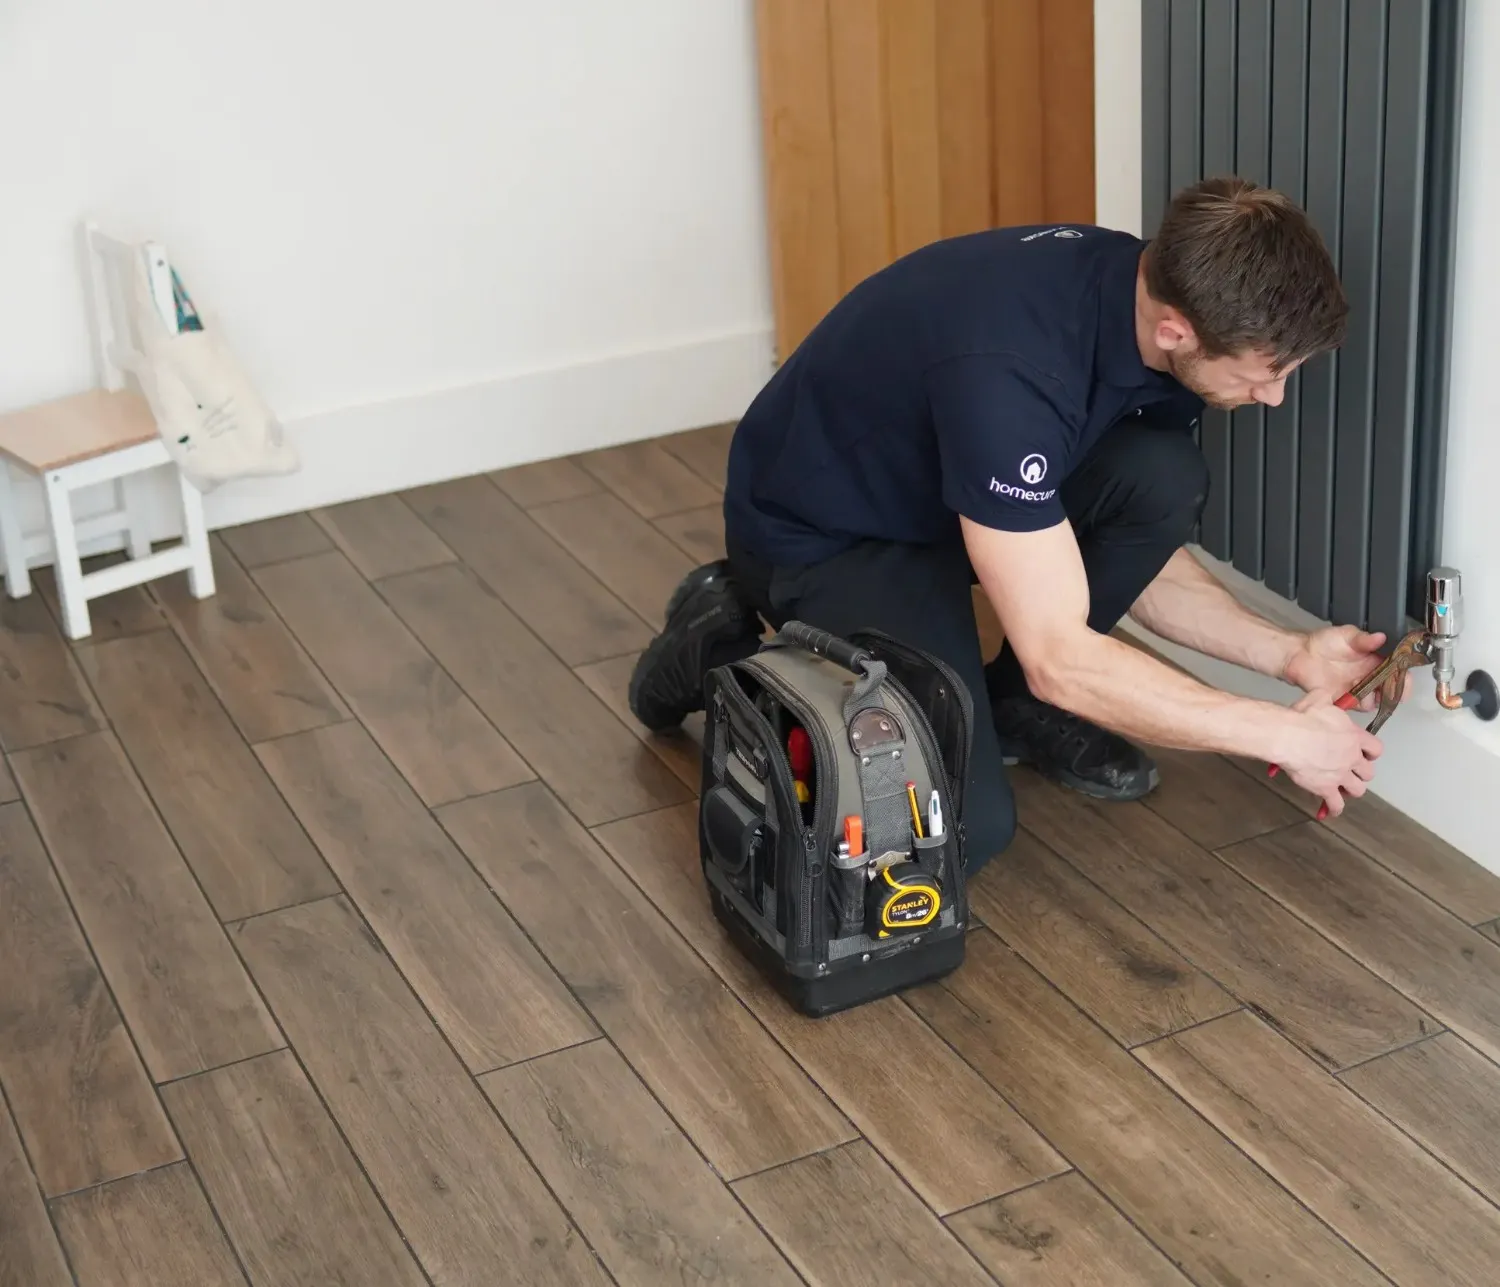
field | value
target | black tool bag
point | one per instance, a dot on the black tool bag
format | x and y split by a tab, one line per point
874	728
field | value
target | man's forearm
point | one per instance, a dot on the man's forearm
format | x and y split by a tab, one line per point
1124	689
1188	605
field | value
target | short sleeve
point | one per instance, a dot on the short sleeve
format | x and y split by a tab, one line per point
1004	434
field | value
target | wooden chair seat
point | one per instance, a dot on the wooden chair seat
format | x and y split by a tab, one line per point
68	430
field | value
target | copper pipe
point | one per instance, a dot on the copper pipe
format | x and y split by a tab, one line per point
1447	698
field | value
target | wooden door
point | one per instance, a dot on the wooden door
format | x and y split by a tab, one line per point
888	124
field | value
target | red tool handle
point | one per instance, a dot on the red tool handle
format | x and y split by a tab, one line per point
1345	703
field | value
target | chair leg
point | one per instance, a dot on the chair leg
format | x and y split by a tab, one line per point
66	566
135	516
195	536
12	539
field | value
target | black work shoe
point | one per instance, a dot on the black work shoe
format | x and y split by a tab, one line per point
1070	750
705	611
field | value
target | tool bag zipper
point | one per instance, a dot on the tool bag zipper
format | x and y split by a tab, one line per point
817	840
778	771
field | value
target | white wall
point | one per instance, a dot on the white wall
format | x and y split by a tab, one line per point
1117	114
443	237
1441	768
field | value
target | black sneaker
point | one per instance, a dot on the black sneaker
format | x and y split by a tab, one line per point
1070	750
705	611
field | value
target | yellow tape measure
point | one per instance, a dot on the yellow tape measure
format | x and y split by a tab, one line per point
902	898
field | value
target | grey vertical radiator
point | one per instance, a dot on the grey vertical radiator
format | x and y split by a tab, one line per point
1351	108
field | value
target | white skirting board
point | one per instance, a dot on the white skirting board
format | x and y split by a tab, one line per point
389	446
1440	768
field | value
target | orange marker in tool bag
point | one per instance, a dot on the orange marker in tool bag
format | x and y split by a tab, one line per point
854	834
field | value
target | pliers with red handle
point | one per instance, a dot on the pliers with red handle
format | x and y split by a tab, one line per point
1390	678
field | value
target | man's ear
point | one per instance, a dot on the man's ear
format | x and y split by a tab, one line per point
1174	332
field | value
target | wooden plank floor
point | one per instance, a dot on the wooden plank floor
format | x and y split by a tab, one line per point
351	932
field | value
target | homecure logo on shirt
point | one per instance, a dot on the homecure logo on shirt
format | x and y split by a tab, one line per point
1033	470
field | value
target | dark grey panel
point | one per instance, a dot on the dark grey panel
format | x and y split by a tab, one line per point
1445	81
1247	428
1156	115
1363	186
1185	77
1326	34
1218	111
1289	86
1396	331
1350	107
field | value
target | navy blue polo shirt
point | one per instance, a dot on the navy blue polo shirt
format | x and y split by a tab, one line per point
968	377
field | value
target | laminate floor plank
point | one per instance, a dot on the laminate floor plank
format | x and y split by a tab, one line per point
1399	1205
680	749
275	540
43	697
1401	844
641	1194
1062	1233
130	611
420	717
1248	942
739	1097
844	1219
30	1255
568	736
544	585
265	679
1450	970
648	478
1213	803
488	988
235	831
947	1131
1446	1096
462	1193
183	993
151	1230
698	533
81	1098
705	451
382	537
543	481
1215	1214
1135	985
620	548
292	1198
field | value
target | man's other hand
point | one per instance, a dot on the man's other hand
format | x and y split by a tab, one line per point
1330	756
1336	658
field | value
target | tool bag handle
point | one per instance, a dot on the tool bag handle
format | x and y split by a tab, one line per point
859	661
839	651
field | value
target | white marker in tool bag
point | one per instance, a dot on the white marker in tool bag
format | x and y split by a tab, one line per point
934	817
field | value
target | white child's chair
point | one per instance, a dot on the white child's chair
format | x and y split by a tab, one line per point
108	434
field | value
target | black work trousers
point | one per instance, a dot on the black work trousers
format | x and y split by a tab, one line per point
1132	501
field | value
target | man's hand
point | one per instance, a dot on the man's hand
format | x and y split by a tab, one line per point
1329	755
1336	658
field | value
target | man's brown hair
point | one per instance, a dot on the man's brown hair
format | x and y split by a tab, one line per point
1248	270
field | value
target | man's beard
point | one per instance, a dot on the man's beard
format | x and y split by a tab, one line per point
1184	369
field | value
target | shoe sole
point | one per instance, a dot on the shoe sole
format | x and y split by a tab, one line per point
1093	790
